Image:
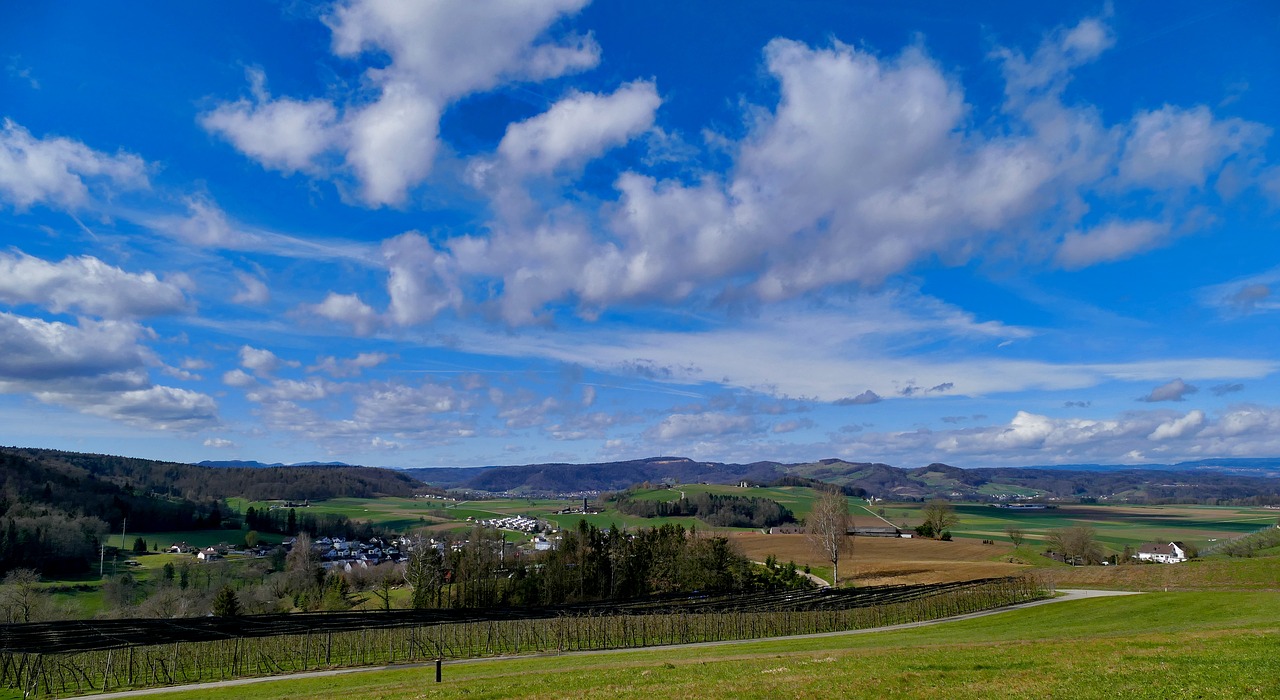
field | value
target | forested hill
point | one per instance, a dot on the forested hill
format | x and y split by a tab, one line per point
196	483
601	476
1233	480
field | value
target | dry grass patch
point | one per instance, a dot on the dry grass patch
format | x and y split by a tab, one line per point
886	561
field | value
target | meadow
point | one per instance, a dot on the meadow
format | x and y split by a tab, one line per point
1155	645
1116	525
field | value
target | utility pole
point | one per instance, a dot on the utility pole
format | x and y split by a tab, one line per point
123	524
102	558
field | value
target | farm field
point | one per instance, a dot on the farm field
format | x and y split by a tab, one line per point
1156	645
878	561
1116	525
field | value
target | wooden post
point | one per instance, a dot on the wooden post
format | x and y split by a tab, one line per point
439	661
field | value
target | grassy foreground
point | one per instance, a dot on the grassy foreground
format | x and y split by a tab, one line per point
1157	645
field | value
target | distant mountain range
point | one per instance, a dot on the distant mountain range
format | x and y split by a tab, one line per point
1227	479
251	464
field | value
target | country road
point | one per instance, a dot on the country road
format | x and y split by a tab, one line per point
1066	595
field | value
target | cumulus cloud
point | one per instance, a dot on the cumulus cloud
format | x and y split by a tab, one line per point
435	53
282	134
1175	148
348	308
252	290
1179	427
579	127
58	171
261	362
279	390
420	282
239	379
34	351
155	407
866	165
86	285
349	367
97	368
219	443
1176	390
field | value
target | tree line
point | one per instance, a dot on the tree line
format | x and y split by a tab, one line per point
714	509
589	564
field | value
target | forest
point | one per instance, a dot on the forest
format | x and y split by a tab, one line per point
714	509
55	507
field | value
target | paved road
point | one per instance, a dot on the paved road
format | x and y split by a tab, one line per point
1066	595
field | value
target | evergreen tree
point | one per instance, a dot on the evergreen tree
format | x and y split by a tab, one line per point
226	604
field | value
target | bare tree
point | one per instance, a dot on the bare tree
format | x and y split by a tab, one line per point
1015	534
21	597
1078	543
827	528
938	516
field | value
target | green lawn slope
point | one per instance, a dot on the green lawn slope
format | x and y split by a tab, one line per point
1156	645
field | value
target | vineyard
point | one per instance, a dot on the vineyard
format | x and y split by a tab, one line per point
61	658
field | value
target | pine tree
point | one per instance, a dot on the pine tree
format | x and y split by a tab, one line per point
226	604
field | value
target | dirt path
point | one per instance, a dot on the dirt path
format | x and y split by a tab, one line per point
1065	595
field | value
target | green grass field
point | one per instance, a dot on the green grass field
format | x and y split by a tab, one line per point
1116	526
1158	645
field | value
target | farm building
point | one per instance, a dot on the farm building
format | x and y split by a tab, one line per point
1170	553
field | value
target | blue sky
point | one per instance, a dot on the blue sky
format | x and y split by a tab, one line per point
420	234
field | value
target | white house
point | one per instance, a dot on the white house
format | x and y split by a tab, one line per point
1170	553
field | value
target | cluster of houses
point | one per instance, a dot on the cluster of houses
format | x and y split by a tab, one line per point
519	523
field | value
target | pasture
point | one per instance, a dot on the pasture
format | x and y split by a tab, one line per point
1116	525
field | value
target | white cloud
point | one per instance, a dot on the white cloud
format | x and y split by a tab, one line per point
393	143
1049	68
349	367
219	443
282	134
253	290
239	379
262	362
59	171
1247	420
291	390
682	426
579	127
155	408
1179	427
436	53
877	344
86	285
420	280
206	225
97	368
1114	240
34	351
348	308
1174	148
